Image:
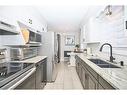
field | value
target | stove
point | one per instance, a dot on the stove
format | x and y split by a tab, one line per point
9	71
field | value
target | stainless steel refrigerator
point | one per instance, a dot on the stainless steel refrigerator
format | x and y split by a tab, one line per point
51	48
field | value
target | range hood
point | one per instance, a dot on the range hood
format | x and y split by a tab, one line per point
7	29
31	37
27	37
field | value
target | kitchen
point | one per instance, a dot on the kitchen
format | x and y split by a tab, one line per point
82	48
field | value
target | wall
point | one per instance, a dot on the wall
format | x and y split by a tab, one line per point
12	14
109	29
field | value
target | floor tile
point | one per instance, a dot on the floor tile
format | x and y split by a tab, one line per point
67	79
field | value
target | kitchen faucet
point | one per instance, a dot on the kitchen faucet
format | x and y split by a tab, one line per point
111	57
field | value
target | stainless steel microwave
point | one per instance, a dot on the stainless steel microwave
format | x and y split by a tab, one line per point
30	36
23	53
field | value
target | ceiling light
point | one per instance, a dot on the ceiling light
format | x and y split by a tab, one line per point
108	10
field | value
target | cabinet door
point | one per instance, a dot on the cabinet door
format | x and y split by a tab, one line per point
77	64
44	66
100	87
84	78
38	76
44	72
77	68
92	82
80	71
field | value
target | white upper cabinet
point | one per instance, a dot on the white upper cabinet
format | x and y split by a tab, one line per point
26	15
8	27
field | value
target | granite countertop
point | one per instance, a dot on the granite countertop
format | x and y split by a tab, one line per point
117	77
32	60
72	53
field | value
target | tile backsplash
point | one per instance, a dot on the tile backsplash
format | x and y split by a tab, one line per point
117	57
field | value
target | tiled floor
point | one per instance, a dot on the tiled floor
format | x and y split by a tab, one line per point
67	79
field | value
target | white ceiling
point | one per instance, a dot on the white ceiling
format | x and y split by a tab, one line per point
62	18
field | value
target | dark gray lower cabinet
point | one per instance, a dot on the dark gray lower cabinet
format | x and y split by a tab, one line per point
92	82
77	66
84	80
41	75
44	73
89	78
80	71
38	75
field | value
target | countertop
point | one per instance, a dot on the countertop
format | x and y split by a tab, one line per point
73	53
117	77
32	60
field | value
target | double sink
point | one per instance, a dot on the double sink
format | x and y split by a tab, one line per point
103	64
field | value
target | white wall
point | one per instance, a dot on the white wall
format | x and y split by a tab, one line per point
109	29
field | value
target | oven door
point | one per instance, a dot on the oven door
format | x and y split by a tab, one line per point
24	81
27	82
12	72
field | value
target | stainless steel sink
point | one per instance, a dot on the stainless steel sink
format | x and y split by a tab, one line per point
108	66
98	61
103	64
